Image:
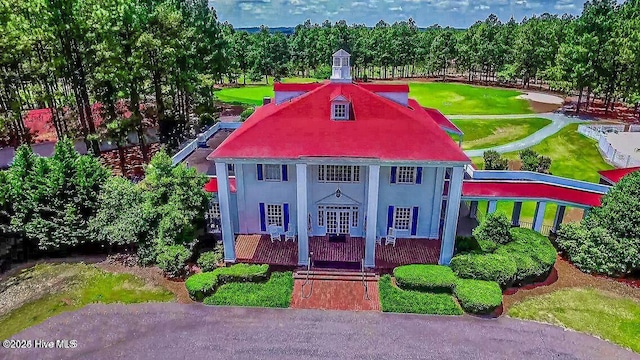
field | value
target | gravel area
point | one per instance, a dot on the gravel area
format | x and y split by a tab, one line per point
542	98
176	331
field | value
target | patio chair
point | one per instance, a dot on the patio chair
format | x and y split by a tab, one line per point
274	232
391	237
290	234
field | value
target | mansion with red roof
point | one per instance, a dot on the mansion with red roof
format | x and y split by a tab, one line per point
360	173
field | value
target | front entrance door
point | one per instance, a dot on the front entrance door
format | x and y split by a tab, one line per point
338	221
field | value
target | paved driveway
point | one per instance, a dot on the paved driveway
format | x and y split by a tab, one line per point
175	331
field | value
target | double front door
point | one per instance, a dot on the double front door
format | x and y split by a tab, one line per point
339	219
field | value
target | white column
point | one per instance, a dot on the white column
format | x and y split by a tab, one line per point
434	231
372	216
301	197
451	220
243	226
222	175
492	206
557	221
538	216
515	215
473	209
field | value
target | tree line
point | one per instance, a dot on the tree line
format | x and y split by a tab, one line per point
158	62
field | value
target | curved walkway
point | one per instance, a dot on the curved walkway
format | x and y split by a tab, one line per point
558	121
175	331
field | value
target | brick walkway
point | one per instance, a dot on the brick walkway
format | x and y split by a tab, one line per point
336	295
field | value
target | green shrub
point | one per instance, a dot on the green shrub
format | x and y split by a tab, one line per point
276	292
487	246
172	259
242	273
496	227
208	261
393	299
246	113
466	244
478	296
201	285
491	267
435	278
533	254
493	161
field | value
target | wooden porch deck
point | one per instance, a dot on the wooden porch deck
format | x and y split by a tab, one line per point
260	249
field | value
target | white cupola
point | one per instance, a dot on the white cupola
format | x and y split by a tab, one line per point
341	69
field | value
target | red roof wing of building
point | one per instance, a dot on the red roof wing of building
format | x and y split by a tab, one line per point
295	87
616	175
302	127
212	185
437	116
529	190
400	88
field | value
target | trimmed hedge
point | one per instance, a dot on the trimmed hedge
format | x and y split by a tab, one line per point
435	278
276	292
528	258
242	273
393	299
208	261
478	296
201	285
491	267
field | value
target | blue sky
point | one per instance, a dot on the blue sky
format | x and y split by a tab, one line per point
457	13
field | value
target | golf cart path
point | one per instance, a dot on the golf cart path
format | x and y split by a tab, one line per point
178	331
558	121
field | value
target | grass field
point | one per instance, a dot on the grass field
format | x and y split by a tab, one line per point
596	312
485	133
75	285
461	99
448	98
573	155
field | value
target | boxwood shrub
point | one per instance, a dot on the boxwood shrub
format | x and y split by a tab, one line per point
208	261
491	267
276	292
533	254
435	278
394	299
242	273
478	296
201	285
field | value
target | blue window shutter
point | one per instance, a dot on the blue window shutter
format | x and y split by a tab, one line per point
393	174
285	209
390	217
263	220
260	172
414	221
419	175
284	173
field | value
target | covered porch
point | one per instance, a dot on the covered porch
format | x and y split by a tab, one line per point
260	249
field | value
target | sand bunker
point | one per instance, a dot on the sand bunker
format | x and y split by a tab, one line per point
542	98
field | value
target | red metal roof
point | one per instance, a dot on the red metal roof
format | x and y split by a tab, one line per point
616	175
302	127
212	185
295	87
529	190
437	116
400	88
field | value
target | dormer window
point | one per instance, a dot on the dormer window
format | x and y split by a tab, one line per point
340	111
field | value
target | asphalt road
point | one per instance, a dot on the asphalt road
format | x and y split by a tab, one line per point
175	331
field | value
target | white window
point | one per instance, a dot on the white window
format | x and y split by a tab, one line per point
406	175
274	215
320	215
272	172
402	218
338	173
340	111
354	216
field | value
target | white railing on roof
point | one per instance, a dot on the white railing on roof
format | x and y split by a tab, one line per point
207	134
539	177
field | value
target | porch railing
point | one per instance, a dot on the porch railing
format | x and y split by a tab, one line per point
544	230
306	280
364	282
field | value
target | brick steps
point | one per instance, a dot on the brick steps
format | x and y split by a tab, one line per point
335	275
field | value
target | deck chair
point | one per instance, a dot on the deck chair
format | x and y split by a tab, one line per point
290	234
274	233
391	237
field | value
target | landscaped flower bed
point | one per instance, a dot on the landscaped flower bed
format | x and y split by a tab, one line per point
394	299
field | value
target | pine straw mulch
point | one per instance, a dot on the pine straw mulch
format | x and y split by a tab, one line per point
566	275
153	275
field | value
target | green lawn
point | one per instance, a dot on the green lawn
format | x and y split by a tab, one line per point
460	99
485	133
276	292
573	156
448	98
596	312
78	285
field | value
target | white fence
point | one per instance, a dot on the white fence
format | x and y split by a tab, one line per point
599	133
193	145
